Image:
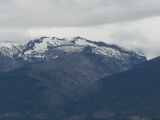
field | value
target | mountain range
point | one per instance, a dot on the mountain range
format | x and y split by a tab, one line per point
83	60
76	79
49	49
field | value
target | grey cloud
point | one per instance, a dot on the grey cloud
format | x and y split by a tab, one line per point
138	42
65	13
15	35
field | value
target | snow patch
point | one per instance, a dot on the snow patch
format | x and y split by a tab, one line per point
8	48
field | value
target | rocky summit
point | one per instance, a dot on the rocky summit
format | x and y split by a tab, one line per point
47	49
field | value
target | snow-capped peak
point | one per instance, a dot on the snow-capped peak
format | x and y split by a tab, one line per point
41	45
9	48
38	47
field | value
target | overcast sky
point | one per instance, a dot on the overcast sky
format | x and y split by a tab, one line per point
134	24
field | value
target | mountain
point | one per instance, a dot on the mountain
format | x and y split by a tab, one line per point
46	93
49	78
130	95
47	48
84	60
33	93
7	50
71	51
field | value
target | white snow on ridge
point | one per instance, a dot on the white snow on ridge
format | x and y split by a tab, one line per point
74	44
43	46
106	51
69	45
109	52
83	42
8	44
70	49
8	48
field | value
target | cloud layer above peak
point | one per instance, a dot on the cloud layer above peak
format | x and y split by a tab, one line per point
73	13
134	24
